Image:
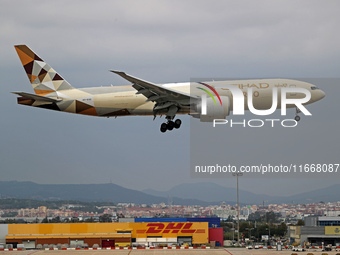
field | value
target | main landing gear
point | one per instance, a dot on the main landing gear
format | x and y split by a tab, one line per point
297	117
170	125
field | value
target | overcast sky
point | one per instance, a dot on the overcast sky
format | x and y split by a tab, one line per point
159	41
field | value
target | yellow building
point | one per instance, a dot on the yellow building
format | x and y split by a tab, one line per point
332	230
108	234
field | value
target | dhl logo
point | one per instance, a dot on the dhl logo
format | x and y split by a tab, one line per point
161	228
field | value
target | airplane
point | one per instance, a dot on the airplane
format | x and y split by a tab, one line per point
145	98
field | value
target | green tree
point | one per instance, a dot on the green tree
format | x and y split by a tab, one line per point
10	221
90	219
75	220
105	218
45	220
56	220
282	229
271	217
300	223
256	216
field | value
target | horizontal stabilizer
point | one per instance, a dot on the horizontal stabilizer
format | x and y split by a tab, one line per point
37	97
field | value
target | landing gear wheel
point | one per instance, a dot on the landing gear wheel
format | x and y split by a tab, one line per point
171	125
297	117
164	127
178	123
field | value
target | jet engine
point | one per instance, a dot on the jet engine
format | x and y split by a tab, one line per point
213	108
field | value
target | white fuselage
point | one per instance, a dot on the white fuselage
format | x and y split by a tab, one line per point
125	97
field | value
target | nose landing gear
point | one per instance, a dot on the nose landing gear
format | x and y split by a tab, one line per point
297	117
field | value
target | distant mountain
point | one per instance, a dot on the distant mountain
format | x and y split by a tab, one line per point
208	192
204	194
86	192
213	192
329	194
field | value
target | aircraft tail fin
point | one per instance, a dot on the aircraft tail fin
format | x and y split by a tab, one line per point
44	79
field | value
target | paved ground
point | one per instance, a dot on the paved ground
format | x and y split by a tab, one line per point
231	251
236	251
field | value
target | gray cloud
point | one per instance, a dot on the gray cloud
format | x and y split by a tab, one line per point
160	41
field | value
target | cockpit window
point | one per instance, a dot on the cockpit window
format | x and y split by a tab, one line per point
314	88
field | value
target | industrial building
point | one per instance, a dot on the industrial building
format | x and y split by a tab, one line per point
318	230
156	232
214	224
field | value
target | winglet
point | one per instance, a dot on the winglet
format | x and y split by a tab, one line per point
120	73
117	72
128	77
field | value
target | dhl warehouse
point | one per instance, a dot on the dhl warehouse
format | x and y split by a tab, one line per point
146	232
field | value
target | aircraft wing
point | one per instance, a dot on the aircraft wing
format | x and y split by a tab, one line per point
157	93
37	97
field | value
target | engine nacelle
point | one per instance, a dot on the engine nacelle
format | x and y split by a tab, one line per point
214	111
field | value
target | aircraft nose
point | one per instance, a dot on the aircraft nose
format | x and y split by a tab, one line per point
317	94
321	95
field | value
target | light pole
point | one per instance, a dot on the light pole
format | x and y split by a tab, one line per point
238	209
233	232
269	234
265	211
